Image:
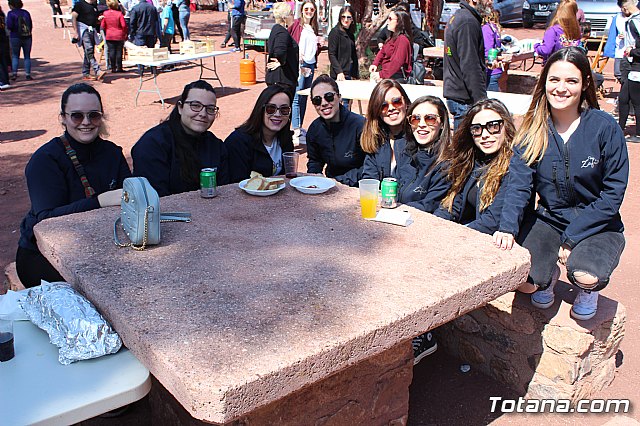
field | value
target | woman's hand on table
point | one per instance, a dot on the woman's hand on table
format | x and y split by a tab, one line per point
110	198
503	240
340	77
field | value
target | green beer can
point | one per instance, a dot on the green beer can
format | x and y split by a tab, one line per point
208	182
389	196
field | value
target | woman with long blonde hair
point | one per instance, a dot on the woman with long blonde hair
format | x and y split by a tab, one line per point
476	163
574	158
563	31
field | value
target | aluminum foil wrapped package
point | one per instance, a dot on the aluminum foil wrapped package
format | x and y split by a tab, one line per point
72	322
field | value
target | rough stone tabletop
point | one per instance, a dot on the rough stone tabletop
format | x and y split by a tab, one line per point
260	296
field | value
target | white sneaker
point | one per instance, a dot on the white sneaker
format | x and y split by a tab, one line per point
585	306
543	299
4	86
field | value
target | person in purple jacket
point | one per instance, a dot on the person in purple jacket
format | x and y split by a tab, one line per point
564	31
19	25
76	172
492	40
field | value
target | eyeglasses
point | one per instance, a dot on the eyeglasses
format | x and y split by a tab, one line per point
77	117
347	17
329	97
397	103
196	106
429	119
271	109
493	127
392	18
308	9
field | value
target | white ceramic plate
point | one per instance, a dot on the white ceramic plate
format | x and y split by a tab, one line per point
260	193
319	184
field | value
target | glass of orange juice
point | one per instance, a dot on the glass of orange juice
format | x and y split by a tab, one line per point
369	197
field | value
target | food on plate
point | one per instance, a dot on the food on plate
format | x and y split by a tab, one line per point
311	186
257	182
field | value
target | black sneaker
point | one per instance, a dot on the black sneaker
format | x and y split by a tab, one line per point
423	345
633	139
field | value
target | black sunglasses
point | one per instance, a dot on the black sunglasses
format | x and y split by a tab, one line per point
196	106
397	103
271	109
493	127
77	117
429	119
329	97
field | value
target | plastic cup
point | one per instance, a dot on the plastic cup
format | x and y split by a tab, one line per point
7	351
291	164
369	197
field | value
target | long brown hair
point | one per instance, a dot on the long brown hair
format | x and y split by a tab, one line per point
375	130
566	17
460	155
533	134
314	20
403	26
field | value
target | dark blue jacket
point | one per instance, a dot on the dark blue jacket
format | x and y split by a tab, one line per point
247	154
338	146
416	186
581	183
54	185
143	20
486	221
154	157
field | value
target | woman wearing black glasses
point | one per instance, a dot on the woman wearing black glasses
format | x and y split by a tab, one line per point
476	163
171	154
76	172
334	137
342	47
258	144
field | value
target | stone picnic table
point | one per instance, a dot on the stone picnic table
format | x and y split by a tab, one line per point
285	309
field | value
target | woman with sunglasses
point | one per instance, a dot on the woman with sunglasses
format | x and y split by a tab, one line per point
258	144
476	164
171	154
76	172
391	152
574	158
333	138
395	57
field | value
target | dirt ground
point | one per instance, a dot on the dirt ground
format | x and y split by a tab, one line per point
440	393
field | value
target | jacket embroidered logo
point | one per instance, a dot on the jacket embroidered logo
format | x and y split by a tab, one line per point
420	190
349	154
589	162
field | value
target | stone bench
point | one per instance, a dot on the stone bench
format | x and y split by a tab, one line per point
540	353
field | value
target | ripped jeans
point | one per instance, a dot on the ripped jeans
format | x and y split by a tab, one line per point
597	255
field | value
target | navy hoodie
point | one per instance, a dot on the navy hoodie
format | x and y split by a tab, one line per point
154	157
247	154
486	221
420	185
55	188
581	183
338	146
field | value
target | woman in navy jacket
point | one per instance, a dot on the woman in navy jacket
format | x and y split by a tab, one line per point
53	178
171	154
411	158
575	158
477	164
334	137
258	144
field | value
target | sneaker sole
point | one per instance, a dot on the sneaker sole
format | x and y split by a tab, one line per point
542	305
582	317
424	354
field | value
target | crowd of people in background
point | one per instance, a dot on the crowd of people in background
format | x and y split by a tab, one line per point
555	185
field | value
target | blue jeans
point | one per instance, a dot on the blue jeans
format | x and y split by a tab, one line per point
299	106
597	255
492	82
184	14
25	45
458	111
89	45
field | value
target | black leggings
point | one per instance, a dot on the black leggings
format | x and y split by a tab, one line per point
115	54
32	267
634	96
55	8
628	95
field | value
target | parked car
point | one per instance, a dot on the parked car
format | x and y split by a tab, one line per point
599	14
537	11
510	10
